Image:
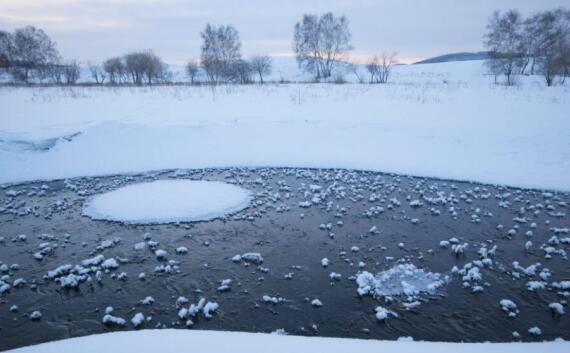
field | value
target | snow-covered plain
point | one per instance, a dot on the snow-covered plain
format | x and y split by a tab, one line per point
166	201
171	340
439	120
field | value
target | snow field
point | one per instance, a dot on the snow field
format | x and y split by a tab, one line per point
170	341
443	120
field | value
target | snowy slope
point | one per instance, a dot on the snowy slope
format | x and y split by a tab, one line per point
441	120
171	341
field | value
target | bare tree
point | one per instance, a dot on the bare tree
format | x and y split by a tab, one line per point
97	73
144	67
552	37
221	47
241	72
373	68
53	72
531	40
71	72
380	68
192	69
505	41
565	49
156	70
261	65
5	43
29	50
355	70
388	61
320	43
135	66
115	69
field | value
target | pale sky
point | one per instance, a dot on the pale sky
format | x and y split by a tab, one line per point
93	30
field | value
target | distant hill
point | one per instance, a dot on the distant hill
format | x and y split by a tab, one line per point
481	55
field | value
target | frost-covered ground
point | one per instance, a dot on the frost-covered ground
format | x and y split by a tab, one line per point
441	120
171	341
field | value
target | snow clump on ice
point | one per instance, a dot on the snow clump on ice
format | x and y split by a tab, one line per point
401	280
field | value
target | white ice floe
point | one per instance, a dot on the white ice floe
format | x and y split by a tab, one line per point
167	201
401	280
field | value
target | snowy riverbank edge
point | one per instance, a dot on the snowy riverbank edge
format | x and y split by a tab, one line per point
171	340
446	121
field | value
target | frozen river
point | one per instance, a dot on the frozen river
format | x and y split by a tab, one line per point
484	244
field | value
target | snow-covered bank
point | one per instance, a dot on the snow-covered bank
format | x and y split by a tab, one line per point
166	341
445	121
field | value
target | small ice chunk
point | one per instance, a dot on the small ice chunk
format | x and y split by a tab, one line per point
383	313
556	308
160	254
335	276
110	263
36	315
182	250
509	307
535	331
148	301
209	308
111	320
137	320
252	257
94	261
225	285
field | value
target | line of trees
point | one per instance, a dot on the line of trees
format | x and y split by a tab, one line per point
539	44
321	44
28	53
135	68
221	58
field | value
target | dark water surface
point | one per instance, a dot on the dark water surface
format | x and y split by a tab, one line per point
50	212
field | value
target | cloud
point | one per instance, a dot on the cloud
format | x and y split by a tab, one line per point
61	23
